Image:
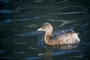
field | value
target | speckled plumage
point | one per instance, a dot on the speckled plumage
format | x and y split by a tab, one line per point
61	33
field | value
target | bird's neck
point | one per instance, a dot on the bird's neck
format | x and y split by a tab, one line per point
47	37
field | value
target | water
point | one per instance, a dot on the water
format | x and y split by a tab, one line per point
19	21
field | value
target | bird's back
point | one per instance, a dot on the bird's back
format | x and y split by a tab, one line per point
62	34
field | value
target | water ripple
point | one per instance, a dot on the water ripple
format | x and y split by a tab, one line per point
66	52
33	58
2	51
63	22
4	1
7	11
30	33
68	13
84	24
5	21
63	1
73	7
33	18
69	10
19	52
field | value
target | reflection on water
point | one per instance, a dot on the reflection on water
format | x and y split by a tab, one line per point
19	20
49	50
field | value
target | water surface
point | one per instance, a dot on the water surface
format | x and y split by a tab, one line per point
19	21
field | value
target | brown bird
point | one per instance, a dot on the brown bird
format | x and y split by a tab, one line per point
60	37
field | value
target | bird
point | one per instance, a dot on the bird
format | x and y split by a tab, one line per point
61	37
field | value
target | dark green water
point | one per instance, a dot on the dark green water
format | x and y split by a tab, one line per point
19	21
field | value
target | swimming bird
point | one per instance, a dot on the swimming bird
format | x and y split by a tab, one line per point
60	37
